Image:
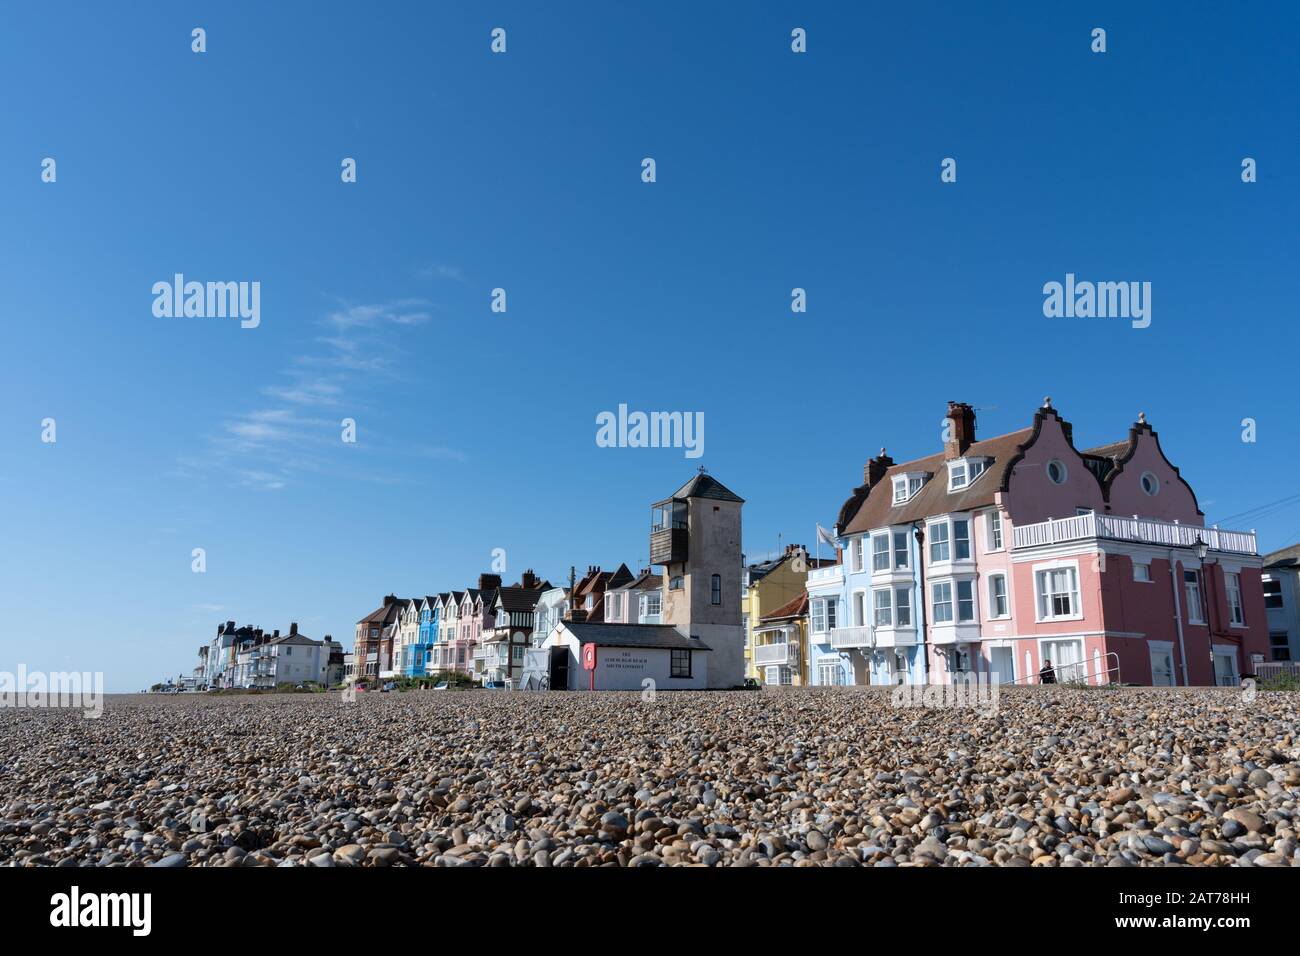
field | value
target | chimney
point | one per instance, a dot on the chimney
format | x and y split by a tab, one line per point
529	580
577	614
960	430
793	549
875	469
487	582
293	629
390	599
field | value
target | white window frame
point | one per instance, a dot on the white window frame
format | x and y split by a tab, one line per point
900	490
934	541
882	607
858	559
900	564
994	596
878	553
1043	599
969	585
955	539
1190	587
935	602
1236	610
1065	471
859	609
818	615
994	529
1146	569
902	605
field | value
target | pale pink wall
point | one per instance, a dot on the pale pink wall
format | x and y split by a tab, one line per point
1032	497
1173	502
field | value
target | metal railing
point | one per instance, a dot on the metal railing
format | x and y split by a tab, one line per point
1076	673
1145	530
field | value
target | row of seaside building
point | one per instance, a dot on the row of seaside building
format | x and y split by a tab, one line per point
997	557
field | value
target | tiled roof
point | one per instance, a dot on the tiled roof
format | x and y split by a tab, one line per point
704	485
796	608
933	498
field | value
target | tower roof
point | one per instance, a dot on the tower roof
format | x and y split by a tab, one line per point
704	485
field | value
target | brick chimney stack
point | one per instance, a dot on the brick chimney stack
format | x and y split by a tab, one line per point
488	582
390	599
293	629
875	469
961	430
529	580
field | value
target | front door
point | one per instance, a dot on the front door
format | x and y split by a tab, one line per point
1162	666
1225	668
559	668
1004	665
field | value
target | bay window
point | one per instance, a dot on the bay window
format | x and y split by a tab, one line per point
941	601
884	609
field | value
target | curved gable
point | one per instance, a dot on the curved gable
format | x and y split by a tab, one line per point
1029	495
1173	501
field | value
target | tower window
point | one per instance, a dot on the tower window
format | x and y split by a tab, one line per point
715	589
675	583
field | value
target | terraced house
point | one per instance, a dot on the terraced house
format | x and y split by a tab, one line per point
1005	555
766	586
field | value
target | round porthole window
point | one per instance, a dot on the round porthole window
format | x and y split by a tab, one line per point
1150	483
1056	471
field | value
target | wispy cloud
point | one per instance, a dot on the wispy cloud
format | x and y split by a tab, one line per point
297	431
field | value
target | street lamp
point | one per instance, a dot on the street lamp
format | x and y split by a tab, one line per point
1203	549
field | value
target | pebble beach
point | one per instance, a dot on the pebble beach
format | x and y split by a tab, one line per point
802	777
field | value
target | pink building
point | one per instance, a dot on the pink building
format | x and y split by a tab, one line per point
1020	549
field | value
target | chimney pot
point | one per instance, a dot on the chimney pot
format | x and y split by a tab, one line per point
961	430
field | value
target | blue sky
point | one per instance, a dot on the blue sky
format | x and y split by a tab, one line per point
476	430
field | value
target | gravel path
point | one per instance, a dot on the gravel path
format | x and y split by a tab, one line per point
1058	777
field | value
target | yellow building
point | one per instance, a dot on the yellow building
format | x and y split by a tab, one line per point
769	586
781	644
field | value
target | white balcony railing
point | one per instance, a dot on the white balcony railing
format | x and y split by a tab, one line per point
819	575
1143	530
852	637
776	654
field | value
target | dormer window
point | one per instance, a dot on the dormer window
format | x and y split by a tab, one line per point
962	472
905	486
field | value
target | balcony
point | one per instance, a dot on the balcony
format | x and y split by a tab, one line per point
827	575
668	545
776	654
846	637
1165	534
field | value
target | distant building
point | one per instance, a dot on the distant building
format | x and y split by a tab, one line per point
998	556
768	585
373	646
1281	586
781	642
695	538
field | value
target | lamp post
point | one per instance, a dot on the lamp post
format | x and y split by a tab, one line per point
1202	550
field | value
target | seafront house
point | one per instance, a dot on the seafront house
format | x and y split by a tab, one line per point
453	648
552	606
829	665
1281	584
223	652
695	538
512	616
768	585
476	620
637	601
427	640
589	593
372	658
390	641
408	636
780	642
994	557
